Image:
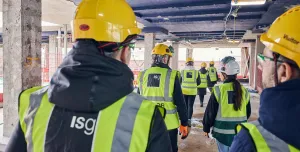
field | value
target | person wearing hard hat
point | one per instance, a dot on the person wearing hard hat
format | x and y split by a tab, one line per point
89	104
213	75
161	85
190	81
277	128
228	105
203	83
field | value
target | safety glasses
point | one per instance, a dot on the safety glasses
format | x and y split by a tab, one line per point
261	58
131	46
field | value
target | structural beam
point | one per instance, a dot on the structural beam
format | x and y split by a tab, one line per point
200	19
209	32
22	51
155	30
181	4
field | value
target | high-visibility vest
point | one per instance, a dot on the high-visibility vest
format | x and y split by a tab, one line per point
203	78
227	118
123	126
212	74
189	82
157	84
264	140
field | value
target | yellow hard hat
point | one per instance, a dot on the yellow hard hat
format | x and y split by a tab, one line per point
211	62
104	20
189	60
283	37
203	65
162	49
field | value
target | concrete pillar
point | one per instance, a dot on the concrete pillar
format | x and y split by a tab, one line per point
149	45
53	58
174	63
252	68
258	75
189	53
65	40
22	51
245	61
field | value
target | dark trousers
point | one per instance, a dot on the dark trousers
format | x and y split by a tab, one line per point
174	137
189	100
201	96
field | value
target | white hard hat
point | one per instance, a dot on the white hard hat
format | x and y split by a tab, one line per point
229	66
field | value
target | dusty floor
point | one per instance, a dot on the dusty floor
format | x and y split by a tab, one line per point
197	142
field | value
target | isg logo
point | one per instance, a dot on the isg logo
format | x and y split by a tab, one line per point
81	123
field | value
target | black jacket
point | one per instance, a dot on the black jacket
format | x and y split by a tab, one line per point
211	112
84	84
177	97
202	91
278	113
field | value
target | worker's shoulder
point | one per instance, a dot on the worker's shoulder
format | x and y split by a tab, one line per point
137	97
243	142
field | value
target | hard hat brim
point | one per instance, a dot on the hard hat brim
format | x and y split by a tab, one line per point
277	48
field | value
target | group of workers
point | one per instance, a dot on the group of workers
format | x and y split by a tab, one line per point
90	104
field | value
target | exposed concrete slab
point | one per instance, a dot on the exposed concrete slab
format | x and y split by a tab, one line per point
22	51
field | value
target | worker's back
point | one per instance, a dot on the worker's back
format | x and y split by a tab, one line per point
89	106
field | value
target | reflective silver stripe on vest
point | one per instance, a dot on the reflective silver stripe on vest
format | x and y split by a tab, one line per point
125	123
141	82
167	84
35	102
274	143
189	87
174	111
219	115
224	131
168	99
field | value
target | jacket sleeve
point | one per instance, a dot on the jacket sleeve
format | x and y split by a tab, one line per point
180	103
210	113
242	142
159	140
248	109
198	79
17	142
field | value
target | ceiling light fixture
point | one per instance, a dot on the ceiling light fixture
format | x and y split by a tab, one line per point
247	2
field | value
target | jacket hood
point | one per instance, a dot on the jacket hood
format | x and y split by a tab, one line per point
87	81
280	110
203	70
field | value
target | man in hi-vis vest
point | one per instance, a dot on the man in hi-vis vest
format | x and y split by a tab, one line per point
213	75
161	85
89	105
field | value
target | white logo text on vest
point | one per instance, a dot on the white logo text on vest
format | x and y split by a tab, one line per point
81	123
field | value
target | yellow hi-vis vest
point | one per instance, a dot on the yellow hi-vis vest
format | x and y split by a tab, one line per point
189	82
227	118
203	81
212	74
123	126
264	140
157	84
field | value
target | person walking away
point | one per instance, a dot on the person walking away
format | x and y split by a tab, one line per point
228	106
190	81
277	128
213	75
89	105
203	83
161	85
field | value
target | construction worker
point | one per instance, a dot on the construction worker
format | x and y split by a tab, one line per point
190	81
89	104
277	128
228	106
203	83
161	85
213	75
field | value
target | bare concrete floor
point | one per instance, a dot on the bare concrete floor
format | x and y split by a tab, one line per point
196	142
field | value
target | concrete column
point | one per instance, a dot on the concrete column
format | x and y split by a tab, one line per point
244	61
252	68
189	53
53	58
149	45
258	72
22	51
174	63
